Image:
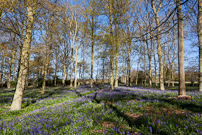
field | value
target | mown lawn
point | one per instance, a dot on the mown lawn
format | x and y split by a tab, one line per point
86	111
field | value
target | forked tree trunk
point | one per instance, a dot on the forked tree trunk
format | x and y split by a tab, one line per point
182	89
17	100
199	24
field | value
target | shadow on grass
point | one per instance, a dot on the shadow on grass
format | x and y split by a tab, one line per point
185	105
32	94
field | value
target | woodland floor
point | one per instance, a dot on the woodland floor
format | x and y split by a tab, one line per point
86	111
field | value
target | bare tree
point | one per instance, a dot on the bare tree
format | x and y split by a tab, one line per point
156	12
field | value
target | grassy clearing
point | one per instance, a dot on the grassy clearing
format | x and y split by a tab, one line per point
85	110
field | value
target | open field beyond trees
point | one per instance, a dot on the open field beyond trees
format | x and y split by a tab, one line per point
85	110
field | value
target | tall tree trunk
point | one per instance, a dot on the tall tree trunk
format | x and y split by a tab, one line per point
45	68
199	23
117	53
75	70
27	77
17	100
55	78
92	54
145	72
66	73
111	49
2	70
116	74
38	73
63	74
129	67
172	78
155	68
10	71
182	89
103	70
161	79
72	52
137	71
14	69
125	76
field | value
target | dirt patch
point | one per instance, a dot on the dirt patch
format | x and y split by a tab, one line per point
112	125
133	115
151	110
6	107
184	97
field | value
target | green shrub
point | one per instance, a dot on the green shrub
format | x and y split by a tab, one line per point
13	84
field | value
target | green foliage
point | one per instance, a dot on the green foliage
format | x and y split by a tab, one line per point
13	84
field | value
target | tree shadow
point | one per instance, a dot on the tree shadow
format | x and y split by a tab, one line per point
196	108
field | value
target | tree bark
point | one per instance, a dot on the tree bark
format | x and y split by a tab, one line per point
116	74
75	71
112	48
92	54
63	74
145	74
161	79
155	68
103	70
17	100
72	51
182	88
47	59
199	23
9	74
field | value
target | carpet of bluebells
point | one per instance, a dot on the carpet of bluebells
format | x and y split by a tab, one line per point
94	111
